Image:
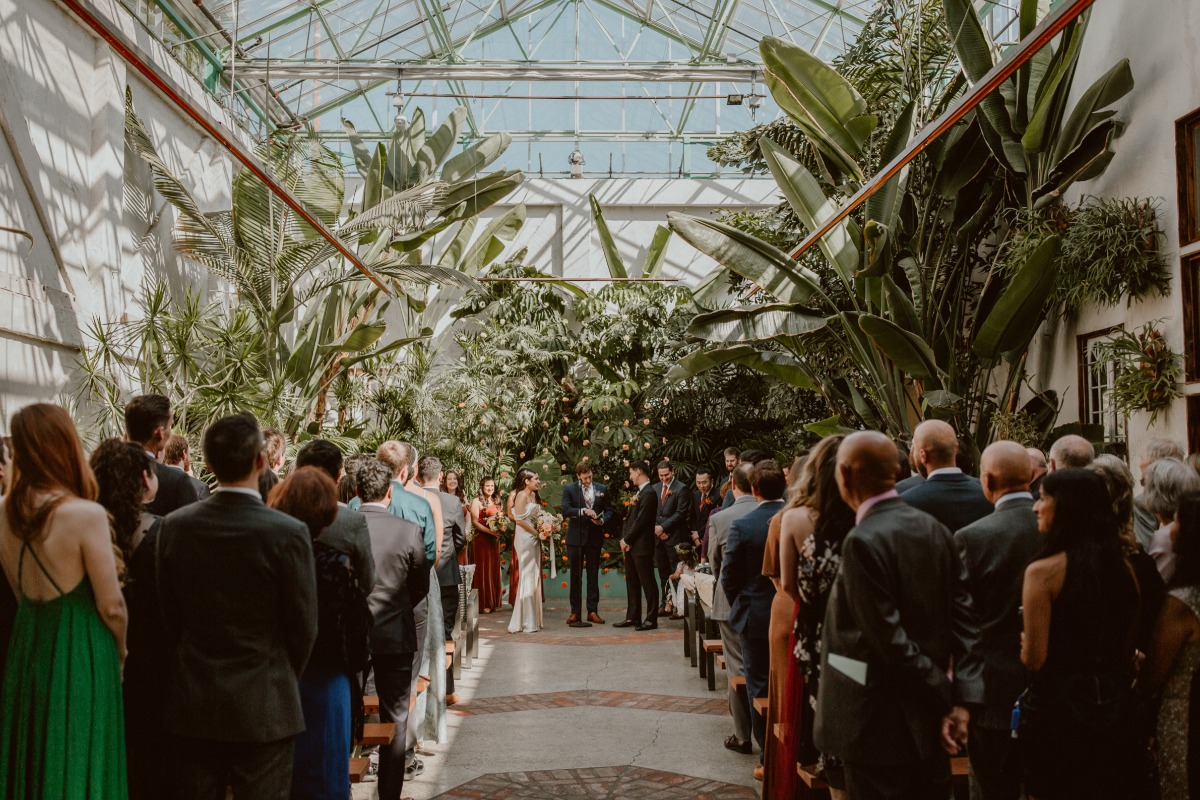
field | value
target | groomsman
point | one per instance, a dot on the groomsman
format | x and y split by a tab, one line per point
705	500
637	542
732	454
672	524
148	420
587	511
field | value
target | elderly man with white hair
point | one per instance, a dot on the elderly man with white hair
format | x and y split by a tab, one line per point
1145	521
1167	481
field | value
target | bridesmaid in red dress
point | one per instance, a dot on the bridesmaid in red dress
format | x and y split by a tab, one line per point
487	547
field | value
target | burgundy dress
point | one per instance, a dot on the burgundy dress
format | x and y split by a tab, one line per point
486	549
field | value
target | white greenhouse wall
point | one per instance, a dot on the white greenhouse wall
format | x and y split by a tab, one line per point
1161	47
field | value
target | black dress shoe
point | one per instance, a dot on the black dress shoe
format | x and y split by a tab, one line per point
629	623
647	626
578	624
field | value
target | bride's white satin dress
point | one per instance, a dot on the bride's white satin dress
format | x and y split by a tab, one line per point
527	606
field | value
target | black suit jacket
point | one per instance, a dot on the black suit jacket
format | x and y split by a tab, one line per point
581	531
348	534
176	489
900	612
239	592
638	532
674	512
454	538
954	499
401	580
701	511
750	593
995	551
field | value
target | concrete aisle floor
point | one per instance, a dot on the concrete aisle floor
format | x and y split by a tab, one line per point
597	712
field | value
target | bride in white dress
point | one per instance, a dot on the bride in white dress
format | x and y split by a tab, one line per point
523	508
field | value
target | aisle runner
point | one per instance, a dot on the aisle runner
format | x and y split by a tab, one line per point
628	783
584	697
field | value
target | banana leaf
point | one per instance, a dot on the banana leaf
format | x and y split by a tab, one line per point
755	323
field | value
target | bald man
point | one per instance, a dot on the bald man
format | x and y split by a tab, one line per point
1071	452
995	551
954	498
898	616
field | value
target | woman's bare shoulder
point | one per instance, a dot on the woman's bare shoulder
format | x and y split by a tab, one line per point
1050	569
798	522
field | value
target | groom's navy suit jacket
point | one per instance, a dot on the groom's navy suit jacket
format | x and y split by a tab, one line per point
580	528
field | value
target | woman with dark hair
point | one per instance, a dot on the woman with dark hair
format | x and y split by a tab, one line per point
63	730
452	484
524	507
330	684
1173	658
1080	611
487	545
127	483
816	522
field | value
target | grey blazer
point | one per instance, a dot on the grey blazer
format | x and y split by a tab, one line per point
718	536
401	580
899	612
239	594
454	538
995	551
348	534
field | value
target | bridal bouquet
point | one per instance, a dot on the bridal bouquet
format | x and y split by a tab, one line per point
548	524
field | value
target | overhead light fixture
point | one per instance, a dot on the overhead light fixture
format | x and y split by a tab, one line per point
576	162
734	100
730	58
398	104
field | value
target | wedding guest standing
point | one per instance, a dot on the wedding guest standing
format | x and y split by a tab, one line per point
177	453
1173	659
332	680
586	509
127	483
1145	522
888	705
148	420
452	484
951	496
1166	481
62	687
454	540
705	500
637	543
1080	604
672	525
995	551
275	447
239	593
348	534
732	456
750	593
486	546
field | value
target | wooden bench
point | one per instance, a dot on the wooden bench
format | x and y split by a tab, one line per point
959	770
738	683
377	733
712	648
359	767
689	600
371	704
721	661
760	705
454	657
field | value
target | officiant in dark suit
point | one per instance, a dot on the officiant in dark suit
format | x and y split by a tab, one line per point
586	508
672	525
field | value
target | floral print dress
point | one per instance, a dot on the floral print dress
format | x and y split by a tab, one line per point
820	557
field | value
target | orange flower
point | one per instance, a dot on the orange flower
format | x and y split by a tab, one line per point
564	584
606	586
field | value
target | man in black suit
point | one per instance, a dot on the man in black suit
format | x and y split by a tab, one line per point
239	592
177	453
587	511
148	421
705	500
899	616
401	584
637	543
995	551
672	525
348	534
749	592
454	539
952	497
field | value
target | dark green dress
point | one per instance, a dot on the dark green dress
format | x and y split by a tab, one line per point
63	726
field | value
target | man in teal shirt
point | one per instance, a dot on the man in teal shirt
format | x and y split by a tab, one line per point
398	456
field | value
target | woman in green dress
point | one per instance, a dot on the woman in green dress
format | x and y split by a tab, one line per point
62	725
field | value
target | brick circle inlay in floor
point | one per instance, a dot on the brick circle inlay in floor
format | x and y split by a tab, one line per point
609	783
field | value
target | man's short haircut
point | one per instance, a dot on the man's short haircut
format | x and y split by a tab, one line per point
753	456
732	451
641	466
767	480
1072	452
275	443
395	455
741	478
323	454
582	468
704	471
231	445
664	464
175	450
1159	448
145	413
428	469
372	481
1167	480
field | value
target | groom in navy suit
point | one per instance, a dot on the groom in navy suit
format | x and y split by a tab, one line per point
587	511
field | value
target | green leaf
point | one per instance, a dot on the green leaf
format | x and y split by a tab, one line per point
608	246
362	155
748	256
492	240
831	426
940	398
363	336
483	195
884	205
780	366
1052	93
437	147
1021	309
753	323
879	250
821	102
1108	89
702	360
391	347
1087	161
656	253
908	351
475	157
903	310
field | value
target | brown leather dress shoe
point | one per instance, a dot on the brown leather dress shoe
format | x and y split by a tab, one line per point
596	618
758	772
571	620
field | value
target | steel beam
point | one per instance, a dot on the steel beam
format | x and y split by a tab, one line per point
331	70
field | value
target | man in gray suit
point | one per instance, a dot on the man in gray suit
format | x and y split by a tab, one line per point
718	537
348	533
239	594
454	539
899	615
401	584
995	551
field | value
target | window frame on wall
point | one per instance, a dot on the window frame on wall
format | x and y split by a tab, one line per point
1189	289
1119	430
1187	154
